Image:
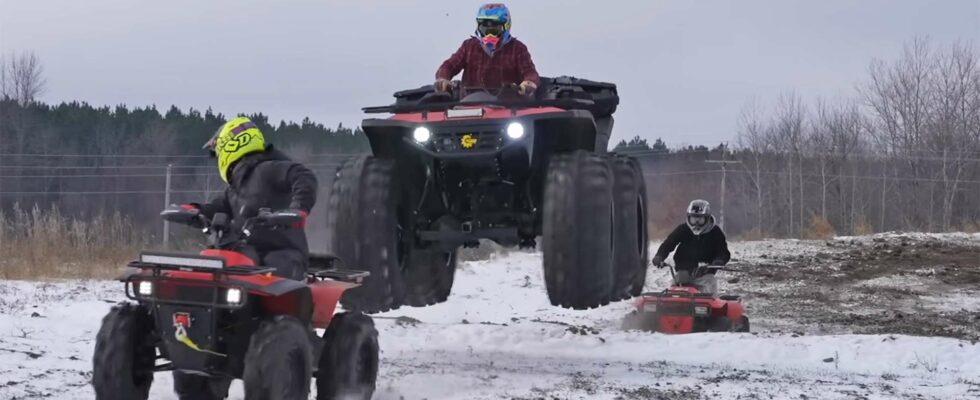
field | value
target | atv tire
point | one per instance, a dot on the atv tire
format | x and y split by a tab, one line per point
636	321
577	232
429	276
362	213
631	247
745	325
720	324
122	366
348	367
279	361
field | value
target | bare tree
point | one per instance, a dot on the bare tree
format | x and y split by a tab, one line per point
22	77
954	106
898	95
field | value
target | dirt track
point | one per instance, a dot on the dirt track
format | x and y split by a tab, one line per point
901	284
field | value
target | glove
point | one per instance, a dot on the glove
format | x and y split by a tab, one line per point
718	262
526	88
301	224
442	85
658	261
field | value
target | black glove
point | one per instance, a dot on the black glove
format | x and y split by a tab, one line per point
658	261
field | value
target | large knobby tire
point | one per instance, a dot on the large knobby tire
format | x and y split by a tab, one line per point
429	276
630	245
348	367
122	366
362	214
279	361
577	234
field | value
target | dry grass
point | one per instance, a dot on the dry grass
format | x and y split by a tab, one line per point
970	227
862	227
819	229
41	244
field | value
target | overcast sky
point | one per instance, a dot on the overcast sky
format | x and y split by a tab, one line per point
684	68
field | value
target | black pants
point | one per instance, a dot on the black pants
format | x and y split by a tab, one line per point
289	264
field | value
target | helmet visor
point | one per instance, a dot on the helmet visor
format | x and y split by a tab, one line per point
490	27
697	220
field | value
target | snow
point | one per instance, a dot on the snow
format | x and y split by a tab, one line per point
499	337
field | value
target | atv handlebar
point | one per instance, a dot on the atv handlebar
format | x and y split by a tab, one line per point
217	227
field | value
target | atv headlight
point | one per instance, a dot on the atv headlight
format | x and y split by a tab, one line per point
422	134
233	296
515	130
145	288
650	307
701	310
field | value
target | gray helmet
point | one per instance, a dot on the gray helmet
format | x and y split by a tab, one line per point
699	217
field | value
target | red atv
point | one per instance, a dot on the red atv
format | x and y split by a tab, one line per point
684	309
218	316
448	170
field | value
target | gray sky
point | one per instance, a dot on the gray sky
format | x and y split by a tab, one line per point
684	68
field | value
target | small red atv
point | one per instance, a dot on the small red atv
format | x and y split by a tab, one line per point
684	309
218	316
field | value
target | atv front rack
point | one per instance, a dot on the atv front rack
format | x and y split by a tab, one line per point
237	270
511	104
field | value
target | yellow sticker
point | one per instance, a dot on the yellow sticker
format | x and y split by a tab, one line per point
468	141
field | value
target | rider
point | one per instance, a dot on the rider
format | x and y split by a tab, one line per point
700	241
258	176
491	58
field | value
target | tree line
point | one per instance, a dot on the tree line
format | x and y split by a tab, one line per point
901	153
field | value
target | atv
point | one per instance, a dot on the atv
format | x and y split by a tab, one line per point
684	309
449	169
218	316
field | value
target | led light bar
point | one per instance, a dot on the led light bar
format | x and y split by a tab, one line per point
464	113
182	261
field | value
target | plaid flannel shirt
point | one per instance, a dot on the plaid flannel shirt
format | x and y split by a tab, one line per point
509	64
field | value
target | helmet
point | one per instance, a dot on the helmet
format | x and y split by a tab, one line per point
493	25
234	140
699	217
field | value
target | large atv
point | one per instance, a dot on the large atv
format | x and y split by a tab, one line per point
218	316
449	169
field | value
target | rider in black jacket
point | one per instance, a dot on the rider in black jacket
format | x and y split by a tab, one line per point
698	240
258	176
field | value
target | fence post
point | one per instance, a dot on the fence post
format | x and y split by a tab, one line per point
166	203
724	174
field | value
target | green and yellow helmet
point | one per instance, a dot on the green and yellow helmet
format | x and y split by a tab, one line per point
234	140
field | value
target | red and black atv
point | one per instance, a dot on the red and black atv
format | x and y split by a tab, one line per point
684	309
450	169
218	316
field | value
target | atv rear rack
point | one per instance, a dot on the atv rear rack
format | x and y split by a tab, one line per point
343	275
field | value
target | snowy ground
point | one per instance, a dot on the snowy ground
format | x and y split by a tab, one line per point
498	337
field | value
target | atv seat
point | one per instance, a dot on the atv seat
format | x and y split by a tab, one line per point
729	297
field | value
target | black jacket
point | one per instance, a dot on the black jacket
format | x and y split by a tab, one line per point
267	180
708	247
